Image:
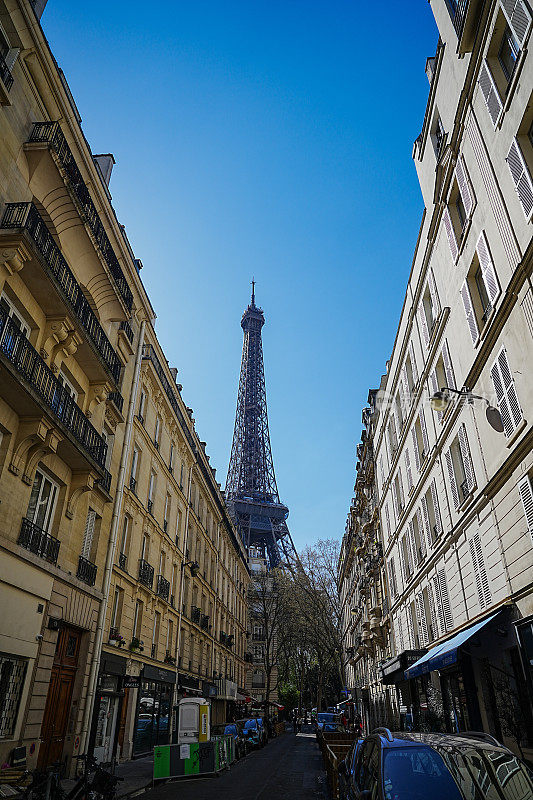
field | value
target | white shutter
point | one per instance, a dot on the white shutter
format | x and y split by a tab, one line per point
381	472
387	519
451	475
518	17
412	544
506	395
392	578
480	572
421	619
433	611
400	487
436	509
450	233
423	323
490	92
406	399
490	278
425	438
521	177
423	532
88	534
403	567
469	311
448	369
415	446
438	606
435	302
445	600
435	388
424	515
406	548
526	495
413	362
410	626
408	470
467	458
464	186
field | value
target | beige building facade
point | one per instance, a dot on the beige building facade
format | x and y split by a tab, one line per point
109	504
455	495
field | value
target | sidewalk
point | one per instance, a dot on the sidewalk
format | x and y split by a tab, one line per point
137	776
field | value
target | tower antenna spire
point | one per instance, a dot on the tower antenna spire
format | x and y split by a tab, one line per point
253	291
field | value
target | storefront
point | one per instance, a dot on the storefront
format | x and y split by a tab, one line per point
154	703
108	707
393	674
186	686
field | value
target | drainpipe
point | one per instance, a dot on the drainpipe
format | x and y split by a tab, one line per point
111	548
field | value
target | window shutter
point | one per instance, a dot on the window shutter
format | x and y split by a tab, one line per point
415	446
438	605
412	544
381	472
467	459
395	502
424	514
526	495
445	600
464	186
451	475
402	562
408	470
506	395
400	487
448	369
436	509
518	17
423	323
490	92
406	398
469	311
421	619
435	388
387	519
521	177
410	627
423	532
425	438
408	564
392	578
413	362
88	534
435	302
450	233
433	611
487	268
480	572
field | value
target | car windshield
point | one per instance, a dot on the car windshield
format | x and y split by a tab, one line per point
230	729
250	723
416	773
326	717
486	774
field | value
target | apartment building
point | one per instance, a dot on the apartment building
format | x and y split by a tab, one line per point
123	583
262	676
363	591
454	493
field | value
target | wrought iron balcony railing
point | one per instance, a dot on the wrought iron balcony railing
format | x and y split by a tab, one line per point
39	542
26	217
149	354
6	75
105	482
123	561
117	399
146	573
86	571
163	587
30	366
51	134
126	327
150	506
196	613
204	622
172	601
133	484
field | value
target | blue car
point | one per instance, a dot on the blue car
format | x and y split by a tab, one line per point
254	732
240	741
327	722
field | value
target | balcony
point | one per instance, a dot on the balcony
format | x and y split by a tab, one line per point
123	561
51	134
150	506
133	484
204	622
163	587
146	573
27	364
105	482
117	400
86	571
39	542
196	614
172	601
25	218
125	327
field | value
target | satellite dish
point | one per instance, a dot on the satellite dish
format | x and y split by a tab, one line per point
494	418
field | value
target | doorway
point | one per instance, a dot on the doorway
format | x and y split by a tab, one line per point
59	697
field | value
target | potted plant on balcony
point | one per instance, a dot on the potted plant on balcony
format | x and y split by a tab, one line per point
169	658
136	644
116	638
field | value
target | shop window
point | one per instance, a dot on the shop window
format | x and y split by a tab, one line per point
12	674
460	468
481	289
506	396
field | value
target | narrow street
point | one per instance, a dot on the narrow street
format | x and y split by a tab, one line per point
287	767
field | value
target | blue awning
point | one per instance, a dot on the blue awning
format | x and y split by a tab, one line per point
445	654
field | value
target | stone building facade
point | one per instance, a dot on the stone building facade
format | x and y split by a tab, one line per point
94	547
455	495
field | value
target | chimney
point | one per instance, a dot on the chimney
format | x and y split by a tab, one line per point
105	163
38	7
430	68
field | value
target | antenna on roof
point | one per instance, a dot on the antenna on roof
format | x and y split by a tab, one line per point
253	291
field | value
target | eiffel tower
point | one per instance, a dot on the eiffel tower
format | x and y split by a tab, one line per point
251	489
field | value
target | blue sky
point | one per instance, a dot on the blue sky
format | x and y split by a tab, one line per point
267	139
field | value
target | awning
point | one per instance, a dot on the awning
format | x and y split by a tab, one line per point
241	698
445	654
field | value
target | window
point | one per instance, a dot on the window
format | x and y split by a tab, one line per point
157	435
155	633
408	470
392	578
15	316
506	396
142	407
171	458
480	290
421	619
67	385
151	491
134	468
508	52
437	136
170	636
480	572
137	619
406	559
442	375
418	544
116	611
420	440
90	536
125	541
521	175
166	515
526	495
12	673
460	469
393	439
431	514
459	209
428	309
42	501
441	614
397	494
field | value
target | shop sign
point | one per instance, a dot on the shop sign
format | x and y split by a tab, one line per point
131	683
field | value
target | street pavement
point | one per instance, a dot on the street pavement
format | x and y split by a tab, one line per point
289	767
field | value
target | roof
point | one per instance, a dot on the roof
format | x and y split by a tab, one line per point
479	740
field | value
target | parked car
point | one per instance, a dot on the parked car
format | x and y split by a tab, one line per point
326	721
240	741
255	732
418	766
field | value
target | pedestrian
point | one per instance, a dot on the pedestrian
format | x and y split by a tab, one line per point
344	722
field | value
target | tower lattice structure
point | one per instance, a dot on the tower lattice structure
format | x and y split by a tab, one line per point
251	489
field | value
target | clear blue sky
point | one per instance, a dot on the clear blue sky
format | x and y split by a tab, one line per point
270	139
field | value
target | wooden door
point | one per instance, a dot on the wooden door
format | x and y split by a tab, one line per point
122	720
59	697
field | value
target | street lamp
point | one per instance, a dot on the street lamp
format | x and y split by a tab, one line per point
194	567
439	402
